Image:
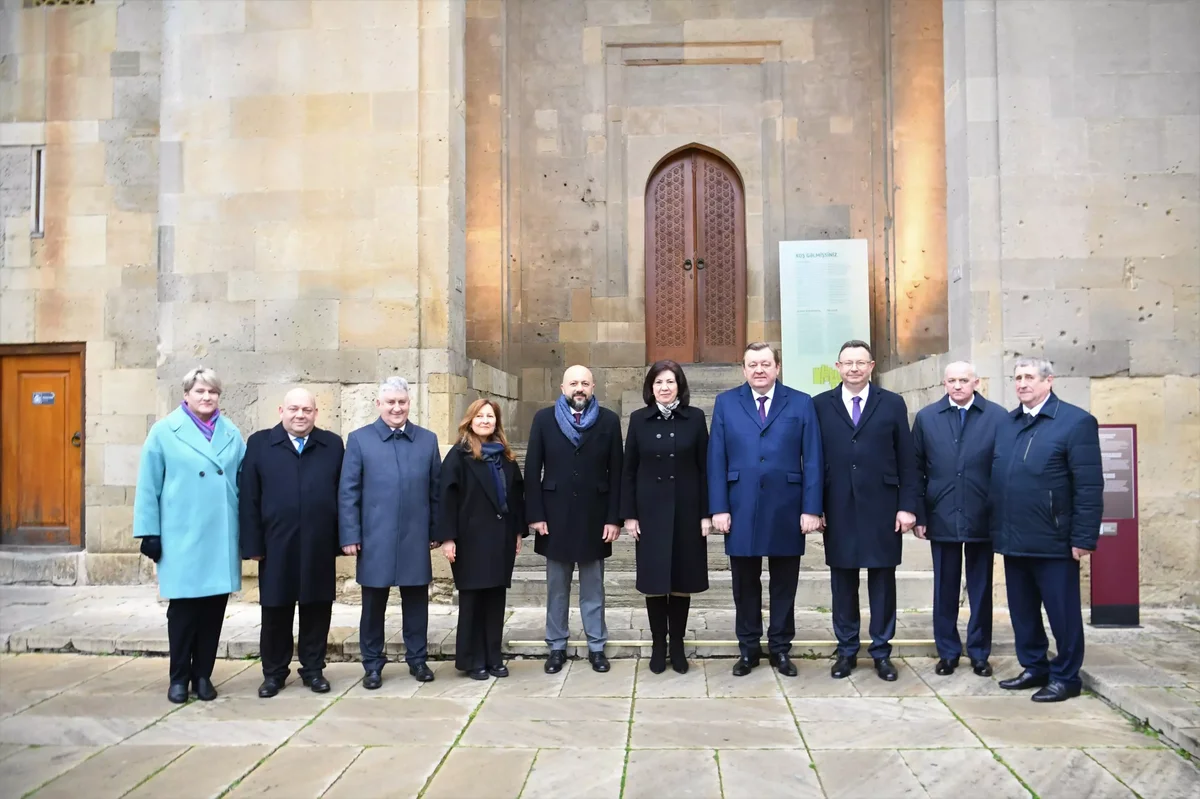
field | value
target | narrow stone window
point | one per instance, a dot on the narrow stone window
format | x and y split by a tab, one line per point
37	190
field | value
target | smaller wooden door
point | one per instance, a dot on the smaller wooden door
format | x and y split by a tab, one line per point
695	260
41	449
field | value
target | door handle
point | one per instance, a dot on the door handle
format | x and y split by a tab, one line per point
76	440
699	263
687	265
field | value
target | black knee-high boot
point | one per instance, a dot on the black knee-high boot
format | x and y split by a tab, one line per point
656	610
677	615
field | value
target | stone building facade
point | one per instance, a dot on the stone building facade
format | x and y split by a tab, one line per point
332	191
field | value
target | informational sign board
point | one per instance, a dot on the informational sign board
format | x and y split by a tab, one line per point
1115	574
824	301
43	398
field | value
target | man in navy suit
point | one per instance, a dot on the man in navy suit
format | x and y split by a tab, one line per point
764	491
954	438
1046	499
871	485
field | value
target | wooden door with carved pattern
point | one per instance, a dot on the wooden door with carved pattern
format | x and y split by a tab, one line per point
695	260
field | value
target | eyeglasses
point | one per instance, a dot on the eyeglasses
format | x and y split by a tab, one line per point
856	364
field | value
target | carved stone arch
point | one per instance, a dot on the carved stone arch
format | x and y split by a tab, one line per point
695	258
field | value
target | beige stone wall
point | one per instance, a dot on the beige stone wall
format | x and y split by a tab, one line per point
84	83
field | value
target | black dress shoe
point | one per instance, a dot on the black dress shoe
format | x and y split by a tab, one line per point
205	691
270	686
177	693
982	668
599	662
842	668
478	674
554	663
783	664
1056	692
944	667
885	669
420	672
498	671
1026	679
317	683
744	666
373	680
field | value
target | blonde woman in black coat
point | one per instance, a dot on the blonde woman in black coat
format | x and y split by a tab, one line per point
664	501
482	523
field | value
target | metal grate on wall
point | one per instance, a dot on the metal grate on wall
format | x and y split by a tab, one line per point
53	3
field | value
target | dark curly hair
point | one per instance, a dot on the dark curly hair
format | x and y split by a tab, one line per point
657	369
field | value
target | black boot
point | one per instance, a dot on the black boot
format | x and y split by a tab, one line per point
656	610
677	615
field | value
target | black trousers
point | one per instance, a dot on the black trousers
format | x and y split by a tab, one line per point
478	642
275	639
746	574
414	605
881	589
947	579
193	634
1053	583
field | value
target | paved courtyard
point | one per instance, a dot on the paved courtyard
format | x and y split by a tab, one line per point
98	725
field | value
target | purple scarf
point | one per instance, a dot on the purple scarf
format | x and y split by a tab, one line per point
207	428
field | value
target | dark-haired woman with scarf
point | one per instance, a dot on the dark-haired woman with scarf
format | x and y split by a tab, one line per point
482	523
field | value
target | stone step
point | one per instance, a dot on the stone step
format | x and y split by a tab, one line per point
916	556
914	590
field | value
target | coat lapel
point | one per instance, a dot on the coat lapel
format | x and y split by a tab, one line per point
778	403
746	400
483	473
187	432
839	407
874	397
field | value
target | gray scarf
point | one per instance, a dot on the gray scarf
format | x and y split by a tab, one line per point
667	410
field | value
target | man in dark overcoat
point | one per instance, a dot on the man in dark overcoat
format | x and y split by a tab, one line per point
1046	499
765	467
288	520
871	486
387	509
954	440
572	502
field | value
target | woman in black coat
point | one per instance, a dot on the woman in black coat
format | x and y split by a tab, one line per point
664	501
482	523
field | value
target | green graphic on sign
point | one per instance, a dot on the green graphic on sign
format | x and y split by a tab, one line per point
825	376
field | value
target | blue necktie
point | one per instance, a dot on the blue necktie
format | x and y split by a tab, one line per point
856	413
299	445
962	418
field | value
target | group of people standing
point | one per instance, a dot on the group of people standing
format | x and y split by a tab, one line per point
776	465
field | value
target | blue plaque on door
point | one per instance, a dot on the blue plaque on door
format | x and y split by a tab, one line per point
43	398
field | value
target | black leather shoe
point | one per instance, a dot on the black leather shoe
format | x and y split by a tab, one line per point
842	668
205	691
744	666
599	662
270	686
498	671
1056	692
373	680
945	668
478	674
554	663
783	664
421	672
177	693
885	669
982	668
1026	679
317	683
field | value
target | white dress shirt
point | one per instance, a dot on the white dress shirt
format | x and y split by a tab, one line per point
966	407
297	442
1036	409
848	399
770	395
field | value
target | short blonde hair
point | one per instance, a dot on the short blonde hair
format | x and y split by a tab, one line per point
201	374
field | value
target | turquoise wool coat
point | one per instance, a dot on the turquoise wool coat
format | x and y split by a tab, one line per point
187	492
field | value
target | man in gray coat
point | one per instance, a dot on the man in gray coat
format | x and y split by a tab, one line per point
387	515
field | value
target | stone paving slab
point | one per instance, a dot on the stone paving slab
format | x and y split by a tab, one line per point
612	736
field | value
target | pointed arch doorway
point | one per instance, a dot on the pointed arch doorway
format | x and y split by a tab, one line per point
695	260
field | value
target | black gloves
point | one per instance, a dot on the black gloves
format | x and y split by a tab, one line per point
152	547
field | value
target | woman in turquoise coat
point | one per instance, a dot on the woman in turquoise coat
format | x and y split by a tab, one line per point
185	512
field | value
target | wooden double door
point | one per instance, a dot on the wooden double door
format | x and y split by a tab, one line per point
41	448
695	260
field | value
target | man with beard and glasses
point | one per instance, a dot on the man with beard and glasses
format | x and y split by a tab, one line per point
572	496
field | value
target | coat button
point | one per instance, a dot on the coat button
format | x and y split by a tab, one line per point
672	477
499	515
854	466
658	435
762	460
672	455
220	471
672	435
201	474
658	479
